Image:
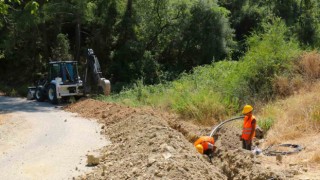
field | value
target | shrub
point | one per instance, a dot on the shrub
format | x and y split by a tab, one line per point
282	86
266	123
201	105
270	53
309	65
220	89
13	93
297	82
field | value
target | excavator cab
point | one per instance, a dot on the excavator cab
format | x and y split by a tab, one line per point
68	71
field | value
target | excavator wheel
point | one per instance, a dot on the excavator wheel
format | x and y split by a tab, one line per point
52	94
39	94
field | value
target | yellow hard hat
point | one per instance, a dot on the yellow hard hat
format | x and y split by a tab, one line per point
247	109
199	148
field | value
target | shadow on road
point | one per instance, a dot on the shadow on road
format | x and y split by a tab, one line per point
9	105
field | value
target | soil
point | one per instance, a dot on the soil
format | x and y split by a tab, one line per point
150	144
144	146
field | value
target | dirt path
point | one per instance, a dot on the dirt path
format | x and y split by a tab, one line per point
39	141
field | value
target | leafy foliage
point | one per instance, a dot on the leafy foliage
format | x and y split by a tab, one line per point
61	50
220	53
221	88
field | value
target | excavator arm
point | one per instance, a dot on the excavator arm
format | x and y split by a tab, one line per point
93	65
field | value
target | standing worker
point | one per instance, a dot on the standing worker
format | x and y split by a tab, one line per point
205	145
249	127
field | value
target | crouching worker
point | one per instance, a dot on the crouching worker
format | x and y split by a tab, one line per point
205	145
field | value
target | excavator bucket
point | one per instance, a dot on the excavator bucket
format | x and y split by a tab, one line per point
105	85
93	65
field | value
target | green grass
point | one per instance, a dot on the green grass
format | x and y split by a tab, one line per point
266	123
222	88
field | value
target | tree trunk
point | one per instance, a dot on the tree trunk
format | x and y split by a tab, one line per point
78	39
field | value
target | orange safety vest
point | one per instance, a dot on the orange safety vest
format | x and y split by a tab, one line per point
247	128
204	140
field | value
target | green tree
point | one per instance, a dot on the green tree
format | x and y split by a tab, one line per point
308	25
103	32
127	48
19	33
207	36
61	51
245	16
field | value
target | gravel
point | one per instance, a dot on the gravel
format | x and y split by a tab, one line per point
41	141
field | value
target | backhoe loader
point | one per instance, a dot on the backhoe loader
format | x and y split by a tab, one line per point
63	81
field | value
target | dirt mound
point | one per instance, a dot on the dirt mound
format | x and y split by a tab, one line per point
148	144
240	164
144	145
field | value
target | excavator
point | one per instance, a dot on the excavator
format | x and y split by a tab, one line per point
63	81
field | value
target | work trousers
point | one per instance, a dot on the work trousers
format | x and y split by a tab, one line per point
246	145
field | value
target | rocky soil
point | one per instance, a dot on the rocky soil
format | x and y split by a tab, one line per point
149	144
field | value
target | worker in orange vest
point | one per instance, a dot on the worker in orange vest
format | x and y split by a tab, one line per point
249	127
205	145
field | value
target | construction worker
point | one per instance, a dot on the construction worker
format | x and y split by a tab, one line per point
249	126
205	145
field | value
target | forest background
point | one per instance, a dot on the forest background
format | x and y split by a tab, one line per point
200	58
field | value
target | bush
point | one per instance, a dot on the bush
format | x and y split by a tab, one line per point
201	105
266	123
271	53
282	86
13	93
219	89
309	65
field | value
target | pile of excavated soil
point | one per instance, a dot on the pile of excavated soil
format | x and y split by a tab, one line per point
144	146
240	164
148	144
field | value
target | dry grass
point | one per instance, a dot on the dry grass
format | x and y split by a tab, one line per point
309	65
295	116
316	157
282	86
307	72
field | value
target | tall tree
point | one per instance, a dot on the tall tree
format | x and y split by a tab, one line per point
127	48
308	26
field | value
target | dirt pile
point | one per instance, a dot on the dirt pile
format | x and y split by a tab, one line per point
148	144
144	146
240	164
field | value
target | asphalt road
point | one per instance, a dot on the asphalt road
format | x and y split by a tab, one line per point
41	141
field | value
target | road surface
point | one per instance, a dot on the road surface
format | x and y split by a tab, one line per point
41	141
